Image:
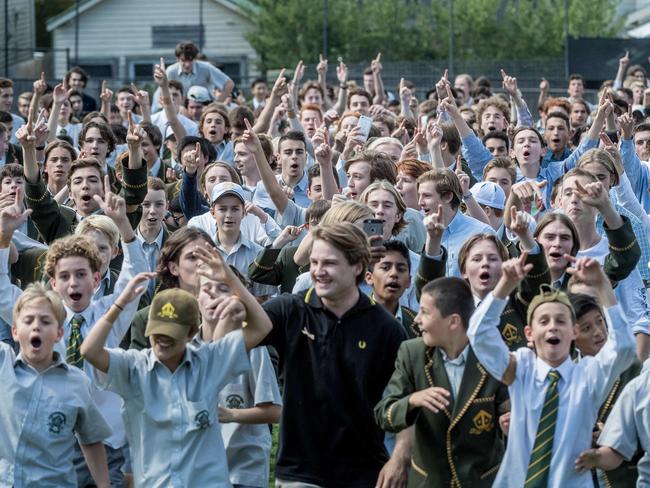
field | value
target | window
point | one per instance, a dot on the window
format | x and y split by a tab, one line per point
167	36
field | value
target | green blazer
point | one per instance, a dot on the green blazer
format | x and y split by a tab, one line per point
460	446
276	267
626	474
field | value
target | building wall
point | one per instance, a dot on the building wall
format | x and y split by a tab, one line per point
22	34
121	31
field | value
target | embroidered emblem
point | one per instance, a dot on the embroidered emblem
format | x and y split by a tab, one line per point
362	344
168	311
202	419
510	334
234	401
482	423
56	422
308	334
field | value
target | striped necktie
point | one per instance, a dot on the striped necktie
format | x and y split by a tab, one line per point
540	458
73	349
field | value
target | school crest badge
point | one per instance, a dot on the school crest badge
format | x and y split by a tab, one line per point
482	423
510	334
202	420
234	401
55	422
167	311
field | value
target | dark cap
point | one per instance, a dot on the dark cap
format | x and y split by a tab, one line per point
174	313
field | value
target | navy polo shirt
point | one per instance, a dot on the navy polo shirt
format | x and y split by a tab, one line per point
335	371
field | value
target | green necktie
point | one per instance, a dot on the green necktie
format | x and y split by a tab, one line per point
540	458
73	352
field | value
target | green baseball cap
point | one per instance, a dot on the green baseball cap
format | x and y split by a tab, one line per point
174	313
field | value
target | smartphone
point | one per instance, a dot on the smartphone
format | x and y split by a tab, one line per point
423	122
365	123
373	227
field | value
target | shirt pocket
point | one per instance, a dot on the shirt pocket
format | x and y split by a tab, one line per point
58	419
233	396
199	416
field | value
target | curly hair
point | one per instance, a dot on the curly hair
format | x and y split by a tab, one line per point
74	246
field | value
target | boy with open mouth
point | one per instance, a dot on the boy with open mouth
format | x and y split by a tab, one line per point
46	403
555	401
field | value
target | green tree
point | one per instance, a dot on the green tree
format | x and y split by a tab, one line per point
413	30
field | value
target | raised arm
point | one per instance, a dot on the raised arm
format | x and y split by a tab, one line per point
524	118
279	88
93	347
271	185
323	155
376	68
342	76
483	332
161	80
106	97
405	100
59	96
141	97
214	268
623	62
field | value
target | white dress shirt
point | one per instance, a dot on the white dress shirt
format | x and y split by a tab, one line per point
582	388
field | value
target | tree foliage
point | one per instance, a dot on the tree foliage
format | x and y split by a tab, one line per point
288	30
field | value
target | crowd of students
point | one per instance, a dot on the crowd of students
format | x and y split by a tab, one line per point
433	288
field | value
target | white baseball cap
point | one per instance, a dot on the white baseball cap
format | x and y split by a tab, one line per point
489	194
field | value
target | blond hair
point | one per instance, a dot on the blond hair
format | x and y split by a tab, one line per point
72	246
399	201
496	102
350	211
602	157
38	291
101	224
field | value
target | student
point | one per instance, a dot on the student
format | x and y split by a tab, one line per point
152	233
592	336
441	187
247	404
47	405
624	433
177	267
101	230
275	264
77	79
56	169
555	401
440	387
389	278
98	141
321	335
73	266
155	398
228	201
60	111
214	126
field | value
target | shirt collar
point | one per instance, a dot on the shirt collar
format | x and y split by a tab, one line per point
542	369
241	242
155	168
458	361
158	240
301	185
182	73
87	314
313	300
58	362
153	359
456	222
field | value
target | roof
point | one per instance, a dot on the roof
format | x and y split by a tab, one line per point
241	7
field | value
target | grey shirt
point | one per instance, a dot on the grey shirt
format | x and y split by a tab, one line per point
40	415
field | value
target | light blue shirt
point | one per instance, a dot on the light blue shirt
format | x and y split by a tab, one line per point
171	418
225	152
582	388
461	228
262	199
628	425
40	415
638	172
455	369
242	254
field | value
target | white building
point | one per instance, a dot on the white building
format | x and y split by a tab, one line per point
122	39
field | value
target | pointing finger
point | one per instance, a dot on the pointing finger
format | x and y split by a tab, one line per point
162	63
445	75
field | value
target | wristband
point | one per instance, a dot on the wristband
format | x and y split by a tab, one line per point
343	86
118	306
40	148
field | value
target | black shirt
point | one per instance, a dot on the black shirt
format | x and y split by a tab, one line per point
335	371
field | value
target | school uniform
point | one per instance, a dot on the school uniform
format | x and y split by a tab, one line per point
628	425
41	415
276	267
582	387
176	412
626	474
459	446
248	446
